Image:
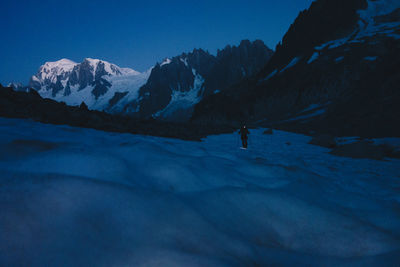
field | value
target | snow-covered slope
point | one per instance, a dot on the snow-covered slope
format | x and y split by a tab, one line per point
127	86
93	81
79	197
369	24
50	71
181	102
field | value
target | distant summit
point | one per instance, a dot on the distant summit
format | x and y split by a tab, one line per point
93	81
168	91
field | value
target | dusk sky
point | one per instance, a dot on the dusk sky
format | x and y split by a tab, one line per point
134	34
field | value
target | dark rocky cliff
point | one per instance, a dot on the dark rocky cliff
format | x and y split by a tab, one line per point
332	73
167	94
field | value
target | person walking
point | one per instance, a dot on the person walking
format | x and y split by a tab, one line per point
244	132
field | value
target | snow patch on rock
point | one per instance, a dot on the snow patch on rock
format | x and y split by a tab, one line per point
313	58
166	62
183	100
291	64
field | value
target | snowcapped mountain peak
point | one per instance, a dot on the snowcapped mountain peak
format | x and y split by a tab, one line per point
61	70
59	66
109	68
64	62
51	70
94	60
93	81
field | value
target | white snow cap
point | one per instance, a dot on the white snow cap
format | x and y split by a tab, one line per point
62	63
110	68
50	70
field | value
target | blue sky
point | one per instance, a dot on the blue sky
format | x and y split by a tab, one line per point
134	34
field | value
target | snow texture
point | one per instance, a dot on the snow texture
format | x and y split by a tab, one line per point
80	197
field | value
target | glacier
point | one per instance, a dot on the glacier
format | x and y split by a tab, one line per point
182	102
80	197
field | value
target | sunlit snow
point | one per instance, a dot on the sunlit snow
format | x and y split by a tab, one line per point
51	70
121	80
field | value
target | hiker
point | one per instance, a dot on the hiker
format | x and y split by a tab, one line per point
243	133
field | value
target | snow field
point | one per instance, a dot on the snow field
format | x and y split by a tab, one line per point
72	196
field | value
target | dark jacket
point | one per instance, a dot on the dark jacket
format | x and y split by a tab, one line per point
244	132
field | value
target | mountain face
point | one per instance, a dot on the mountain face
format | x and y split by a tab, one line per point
177	84
93	81
168	91
336	71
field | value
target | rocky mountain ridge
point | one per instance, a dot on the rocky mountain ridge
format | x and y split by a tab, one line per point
336	71
167	91
177	84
